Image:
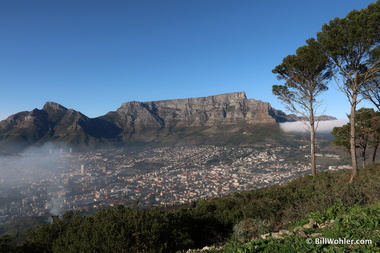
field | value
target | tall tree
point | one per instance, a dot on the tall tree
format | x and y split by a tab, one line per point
367	130
305	74
352	43
364	131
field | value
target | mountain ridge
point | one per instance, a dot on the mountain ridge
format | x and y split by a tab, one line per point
153	121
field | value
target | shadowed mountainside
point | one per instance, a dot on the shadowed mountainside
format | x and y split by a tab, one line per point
219	119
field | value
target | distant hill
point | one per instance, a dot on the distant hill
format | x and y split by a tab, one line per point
216	119
53	123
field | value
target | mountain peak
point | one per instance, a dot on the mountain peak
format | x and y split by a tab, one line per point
236	95
52	106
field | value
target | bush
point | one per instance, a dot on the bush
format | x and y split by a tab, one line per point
246	229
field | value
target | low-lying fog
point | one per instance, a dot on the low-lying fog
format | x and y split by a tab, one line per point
324	127
34	164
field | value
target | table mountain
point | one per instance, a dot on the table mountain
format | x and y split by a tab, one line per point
167	120
225	109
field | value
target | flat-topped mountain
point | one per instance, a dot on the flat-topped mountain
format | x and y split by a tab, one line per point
159	121
224	109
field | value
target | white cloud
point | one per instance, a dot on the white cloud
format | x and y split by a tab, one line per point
323	127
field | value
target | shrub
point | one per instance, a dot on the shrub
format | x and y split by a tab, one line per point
246	229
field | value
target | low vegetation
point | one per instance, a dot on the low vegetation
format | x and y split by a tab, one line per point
338	229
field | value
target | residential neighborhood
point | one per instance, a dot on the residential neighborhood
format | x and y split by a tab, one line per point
52	181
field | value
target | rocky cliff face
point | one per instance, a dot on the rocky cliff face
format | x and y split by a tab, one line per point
219	110
142	121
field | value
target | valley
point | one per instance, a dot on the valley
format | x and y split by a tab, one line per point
48	181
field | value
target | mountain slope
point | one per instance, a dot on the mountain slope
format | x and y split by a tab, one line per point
219	119
52	123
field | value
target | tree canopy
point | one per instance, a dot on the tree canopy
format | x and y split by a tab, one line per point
353	46
306	75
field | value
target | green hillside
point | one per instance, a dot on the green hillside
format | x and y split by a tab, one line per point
338	229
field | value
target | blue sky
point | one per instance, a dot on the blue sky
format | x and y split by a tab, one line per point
92	56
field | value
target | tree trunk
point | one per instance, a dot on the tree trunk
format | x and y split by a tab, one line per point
312	141
312	152
352	137
374	153
364	156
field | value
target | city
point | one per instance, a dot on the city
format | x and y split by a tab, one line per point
55	180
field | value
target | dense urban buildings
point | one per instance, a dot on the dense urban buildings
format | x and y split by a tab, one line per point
51	181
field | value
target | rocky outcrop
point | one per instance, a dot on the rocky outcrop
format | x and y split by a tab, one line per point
219	110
